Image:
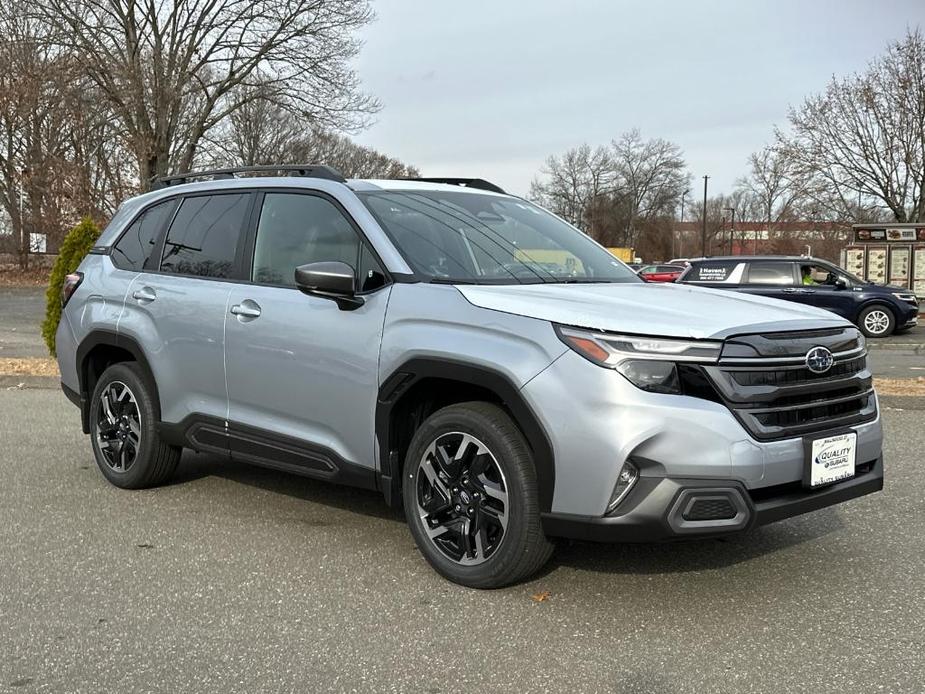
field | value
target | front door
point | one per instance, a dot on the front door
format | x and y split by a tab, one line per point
820	288
302	373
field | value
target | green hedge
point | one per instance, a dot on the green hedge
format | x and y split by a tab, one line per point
76	245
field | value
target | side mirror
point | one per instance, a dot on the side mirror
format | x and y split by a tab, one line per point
841	283
330	280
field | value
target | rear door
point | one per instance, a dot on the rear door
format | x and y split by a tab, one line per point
775	279
302	373
177	312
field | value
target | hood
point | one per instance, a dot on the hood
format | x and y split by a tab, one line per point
669	310
890	289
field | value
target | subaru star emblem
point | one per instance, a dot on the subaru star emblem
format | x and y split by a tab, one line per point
819	360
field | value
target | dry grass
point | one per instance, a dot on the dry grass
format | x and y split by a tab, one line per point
31	366
906	387
14	277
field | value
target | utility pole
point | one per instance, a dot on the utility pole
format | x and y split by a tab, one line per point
703	233
732	232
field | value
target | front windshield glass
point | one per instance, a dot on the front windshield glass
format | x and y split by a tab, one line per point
464	237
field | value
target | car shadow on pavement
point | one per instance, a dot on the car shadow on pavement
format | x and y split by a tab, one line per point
197	466
694	555
644	558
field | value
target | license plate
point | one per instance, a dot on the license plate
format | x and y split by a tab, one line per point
830	459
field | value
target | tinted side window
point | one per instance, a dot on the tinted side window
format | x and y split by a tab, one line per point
203	239
770	273
133	251
296	229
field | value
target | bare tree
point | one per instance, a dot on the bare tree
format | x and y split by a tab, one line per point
258	132
351	159
572	181
772	189
172	71
34	82
615	193
262	132
651	174
864	137
719	227
59	153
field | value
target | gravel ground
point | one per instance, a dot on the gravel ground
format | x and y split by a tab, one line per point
236	579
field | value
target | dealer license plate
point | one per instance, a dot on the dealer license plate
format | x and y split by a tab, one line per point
831	459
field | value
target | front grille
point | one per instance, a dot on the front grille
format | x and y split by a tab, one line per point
710	509
782	378
764	381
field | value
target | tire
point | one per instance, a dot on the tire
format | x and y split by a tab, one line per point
877	321
486	533
123	430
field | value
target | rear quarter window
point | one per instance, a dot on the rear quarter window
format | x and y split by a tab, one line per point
135	247
721	271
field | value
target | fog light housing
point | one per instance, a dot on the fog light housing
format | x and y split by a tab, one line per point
625	481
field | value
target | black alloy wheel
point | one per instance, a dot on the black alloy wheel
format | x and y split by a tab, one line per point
118	426
124	429
462	498
471	496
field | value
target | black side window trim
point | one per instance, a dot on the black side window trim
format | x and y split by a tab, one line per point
250	240
236	275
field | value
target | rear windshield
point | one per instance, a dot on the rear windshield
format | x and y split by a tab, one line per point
465	237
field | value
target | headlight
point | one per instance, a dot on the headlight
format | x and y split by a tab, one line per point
648	363
906	296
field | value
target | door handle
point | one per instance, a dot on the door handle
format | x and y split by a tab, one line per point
789	290
144	295
246	309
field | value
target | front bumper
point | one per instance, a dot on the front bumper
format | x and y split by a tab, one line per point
596	420
655	508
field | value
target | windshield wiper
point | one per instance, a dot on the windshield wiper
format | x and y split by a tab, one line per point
585	280
450	280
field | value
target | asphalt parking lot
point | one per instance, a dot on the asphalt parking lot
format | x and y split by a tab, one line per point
239	579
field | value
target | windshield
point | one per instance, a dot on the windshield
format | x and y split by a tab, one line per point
826	268
464	237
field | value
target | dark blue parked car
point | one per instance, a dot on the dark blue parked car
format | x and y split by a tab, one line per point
876	309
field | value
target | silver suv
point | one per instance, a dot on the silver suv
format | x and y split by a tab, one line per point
472	357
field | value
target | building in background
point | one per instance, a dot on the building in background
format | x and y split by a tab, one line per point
888	254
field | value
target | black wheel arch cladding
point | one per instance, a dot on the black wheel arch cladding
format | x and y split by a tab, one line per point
393	403
113	343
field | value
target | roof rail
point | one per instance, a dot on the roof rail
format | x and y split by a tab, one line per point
309	170
479	183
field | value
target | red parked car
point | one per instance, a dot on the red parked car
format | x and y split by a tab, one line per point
661	273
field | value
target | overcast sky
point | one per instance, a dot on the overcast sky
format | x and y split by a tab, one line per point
490	88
